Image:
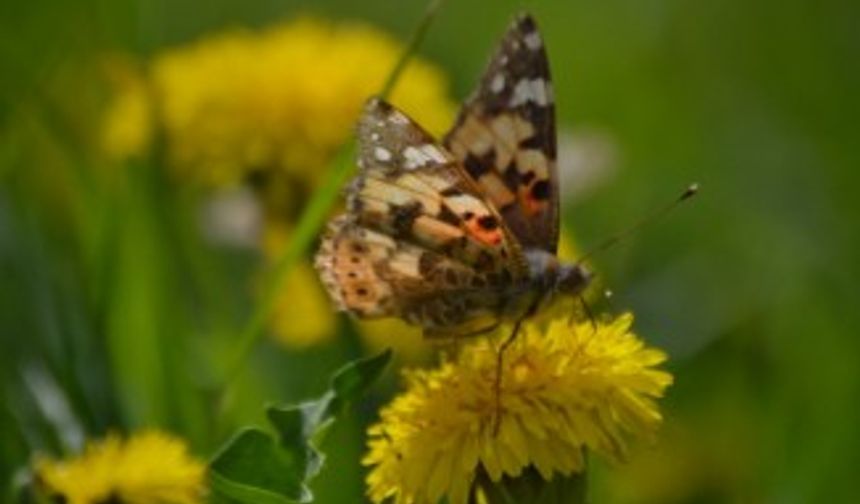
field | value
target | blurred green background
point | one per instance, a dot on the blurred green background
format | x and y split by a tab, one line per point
116	311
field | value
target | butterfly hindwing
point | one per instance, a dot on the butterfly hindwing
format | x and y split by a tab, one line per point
505	137
373	275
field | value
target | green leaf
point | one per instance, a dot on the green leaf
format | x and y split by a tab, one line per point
353	380
252	468
255	468
303	427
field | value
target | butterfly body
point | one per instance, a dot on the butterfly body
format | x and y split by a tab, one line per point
550	276
457	236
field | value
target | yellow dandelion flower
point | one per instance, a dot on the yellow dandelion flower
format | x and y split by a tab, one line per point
280	100
147	468
565	389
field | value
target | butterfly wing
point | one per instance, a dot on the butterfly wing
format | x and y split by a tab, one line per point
419	240
505	137
372	275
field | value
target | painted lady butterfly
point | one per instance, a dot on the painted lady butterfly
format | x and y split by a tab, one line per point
461	236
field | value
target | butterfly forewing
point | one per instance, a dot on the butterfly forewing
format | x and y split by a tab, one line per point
413	190
505	137
419	241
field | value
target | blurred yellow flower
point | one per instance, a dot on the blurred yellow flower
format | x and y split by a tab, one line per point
302	316
127	124
278	100
147	468
565	389
405	340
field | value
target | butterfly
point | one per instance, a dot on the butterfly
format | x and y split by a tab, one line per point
457	236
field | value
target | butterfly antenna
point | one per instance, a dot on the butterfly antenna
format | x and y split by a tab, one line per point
654	215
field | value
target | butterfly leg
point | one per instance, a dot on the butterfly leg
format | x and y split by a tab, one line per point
497	389
588	313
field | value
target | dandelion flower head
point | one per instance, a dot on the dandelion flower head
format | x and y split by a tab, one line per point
147	468
566	389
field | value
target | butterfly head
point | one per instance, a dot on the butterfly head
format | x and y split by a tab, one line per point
572	279
554	277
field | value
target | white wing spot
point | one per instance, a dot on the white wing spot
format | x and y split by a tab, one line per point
374	137
498	83
413	158
436	154
463	203
420	156
382	154
398	118
533	41
531	91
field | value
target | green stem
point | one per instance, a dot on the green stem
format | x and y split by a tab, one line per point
414	42
304	234
310	223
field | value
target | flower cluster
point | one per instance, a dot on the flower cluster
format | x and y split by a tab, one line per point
280	100
565	389
147	468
